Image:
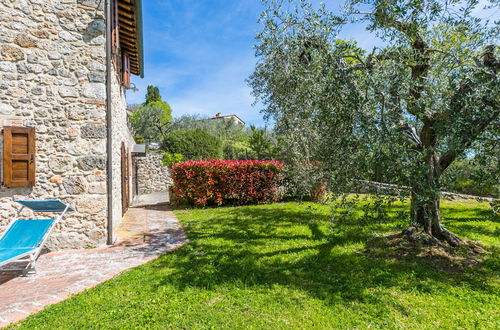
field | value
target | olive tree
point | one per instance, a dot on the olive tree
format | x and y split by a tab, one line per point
411	106
152	120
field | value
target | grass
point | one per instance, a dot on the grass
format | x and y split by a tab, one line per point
284	266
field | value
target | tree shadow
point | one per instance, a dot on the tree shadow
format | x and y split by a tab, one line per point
466	214
470	227
261	247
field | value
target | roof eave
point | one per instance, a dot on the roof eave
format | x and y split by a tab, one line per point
138	10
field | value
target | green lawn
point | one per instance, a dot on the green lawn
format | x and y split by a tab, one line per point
282	266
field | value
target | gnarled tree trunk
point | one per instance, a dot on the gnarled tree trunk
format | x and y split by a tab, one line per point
425	214
425	202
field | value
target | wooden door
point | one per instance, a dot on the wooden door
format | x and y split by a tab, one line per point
135	186
125	180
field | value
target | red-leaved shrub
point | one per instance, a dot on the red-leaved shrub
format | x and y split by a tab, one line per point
227	181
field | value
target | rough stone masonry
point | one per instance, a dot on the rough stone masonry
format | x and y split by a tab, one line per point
152	175
52	77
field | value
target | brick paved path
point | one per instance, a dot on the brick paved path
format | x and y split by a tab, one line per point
143	235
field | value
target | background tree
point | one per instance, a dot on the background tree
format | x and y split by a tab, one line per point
152	95
234	137
476	173
260	143
193	144
153	119
413	105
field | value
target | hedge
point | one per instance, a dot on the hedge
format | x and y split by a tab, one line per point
193	144
218	182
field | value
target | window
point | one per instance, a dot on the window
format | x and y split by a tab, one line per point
126	71
18	156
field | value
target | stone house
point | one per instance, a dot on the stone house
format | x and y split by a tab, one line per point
235	119
64	74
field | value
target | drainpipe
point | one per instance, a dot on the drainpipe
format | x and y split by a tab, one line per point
109	135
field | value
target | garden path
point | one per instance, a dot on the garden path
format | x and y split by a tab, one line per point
145	233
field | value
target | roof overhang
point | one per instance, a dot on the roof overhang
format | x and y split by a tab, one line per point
139	150
130	22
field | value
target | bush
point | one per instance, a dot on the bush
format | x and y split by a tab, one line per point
139	139
193	144
236	150
473	177
219	182
169	159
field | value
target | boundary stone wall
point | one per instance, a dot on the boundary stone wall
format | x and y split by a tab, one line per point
367	187
152	175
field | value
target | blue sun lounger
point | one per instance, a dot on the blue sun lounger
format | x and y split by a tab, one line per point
23	240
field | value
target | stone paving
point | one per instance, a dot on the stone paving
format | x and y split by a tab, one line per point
144	234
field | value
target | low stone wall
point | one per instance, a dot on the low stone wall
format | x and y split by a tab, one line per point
152	175
390	189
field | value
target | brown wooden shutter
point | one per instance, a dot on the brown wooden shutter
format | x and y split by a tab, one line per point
18	156
126	70
115	40
115	35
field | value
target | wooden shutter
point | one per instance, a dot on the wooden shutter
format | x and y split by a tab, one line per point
126	70
18	156
115	40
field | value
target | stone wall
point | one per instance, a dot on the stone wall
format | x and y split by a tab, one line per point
52	77
152	175
121	134
372	187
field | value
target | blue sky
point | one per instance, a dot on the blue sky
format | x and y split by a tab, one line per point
199	53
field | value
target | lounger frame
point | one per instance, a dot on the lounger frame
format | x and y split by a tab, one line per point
30	257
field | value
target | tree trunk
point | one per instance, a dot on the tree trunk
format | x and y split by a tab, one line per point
425	202
425	211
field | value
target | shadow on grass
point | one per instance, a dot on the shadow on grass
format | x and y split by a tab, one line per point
267	246
468	227
466	214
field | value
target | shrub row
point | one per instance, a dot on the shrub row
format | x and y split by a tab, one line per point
219	182
193	144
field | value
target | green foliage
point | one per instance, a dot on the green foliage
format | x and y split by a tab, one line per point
152	120
238	142
152	95
277	266
223	129
193	144
139	139
474	176
401	113
239	150
234	137
169	158
260	143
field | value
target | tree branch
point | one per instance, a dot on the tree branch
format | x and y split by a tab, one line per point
354	57
412	137
421	67
467	138
371	60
